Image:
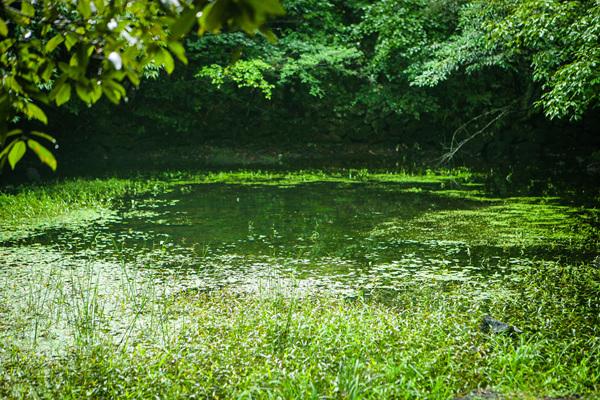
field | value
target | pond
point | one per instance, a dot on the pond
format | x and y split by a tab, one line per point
336	236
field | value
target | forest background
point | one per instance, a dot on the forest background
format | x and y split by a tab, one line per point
510	86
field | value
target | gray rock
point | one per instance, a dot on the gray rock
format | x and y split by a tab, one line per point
480	394
491	325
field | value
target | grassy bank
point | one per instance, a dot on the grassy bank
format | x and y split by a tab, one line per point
32	203
422	343
29	207
282	178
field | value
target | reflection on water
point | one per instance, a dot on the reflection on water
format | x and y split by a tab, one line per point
334	236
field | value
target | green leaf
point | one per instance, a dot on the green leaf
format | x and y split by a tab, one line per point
35	112
113	90
48	70
111	95
27	9
71	40
74	60
95	93
133	77
43	153
212	17
183	24
268	34
54	42
12	83
44	136
16	153
115	86
64	94
270	7
84	8
83	93
167	60
99	6
5	150
61	93
3	28
14	132
179	51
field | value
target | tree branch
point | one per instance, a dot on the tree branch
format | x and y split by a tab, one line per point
455	147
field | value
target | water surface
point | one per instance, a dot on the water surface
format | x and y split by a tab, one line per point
332	236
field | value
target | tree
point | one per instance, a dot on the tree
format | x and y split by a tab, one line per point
94	48
409	72
504	57
554	45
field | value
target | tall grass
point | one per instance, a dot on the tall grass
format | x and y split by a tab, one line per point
27	204
103	330
139	339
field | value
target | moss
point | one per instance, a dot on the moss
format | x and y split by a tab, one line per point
62	203
28	208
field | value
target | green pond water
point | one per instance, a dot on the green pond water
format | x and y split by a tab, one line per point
336	236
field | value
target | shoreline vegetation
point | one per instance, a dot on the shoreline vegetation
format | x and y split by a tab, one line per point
30	202
186	212
123	332
422	343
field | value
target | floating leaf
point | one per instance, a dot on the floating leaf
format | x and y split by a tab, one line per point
43	153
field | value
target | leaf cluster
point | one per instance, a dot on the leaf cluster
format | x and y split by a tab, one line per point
52	50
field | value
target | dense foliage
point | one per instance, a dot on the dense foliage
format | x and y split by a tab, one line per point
96	48
432	72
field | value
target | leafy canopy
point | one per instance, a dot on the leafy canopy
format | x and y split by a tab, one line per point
54	50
